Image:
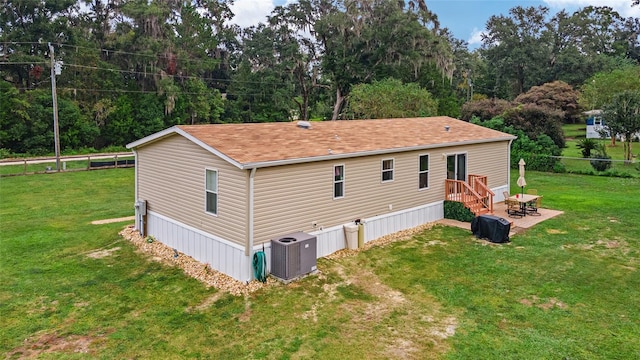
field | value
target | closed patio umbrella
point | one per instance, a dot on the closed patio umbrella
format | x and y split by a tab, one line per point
521	181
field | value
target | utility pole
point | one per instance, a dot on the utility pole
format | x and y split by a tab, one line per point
56	132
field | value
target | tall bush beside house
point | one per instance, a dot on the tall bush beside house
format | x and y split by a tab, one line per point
539	153
535	120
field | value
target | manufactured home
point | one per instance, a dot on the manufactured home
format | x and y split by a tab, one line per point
221	192
595	125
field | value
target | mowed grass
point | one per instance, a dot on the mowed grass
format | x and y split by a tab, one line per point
566	288
574	131
574	163
40	168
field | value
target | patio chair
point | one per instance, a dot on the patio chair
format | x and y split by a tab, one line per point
532	207
513	208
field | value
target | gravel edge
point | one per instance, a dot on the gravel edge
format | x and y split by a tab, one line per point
213	278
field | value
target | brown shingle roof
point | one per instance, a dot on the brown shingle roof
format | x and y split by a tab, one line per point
268	142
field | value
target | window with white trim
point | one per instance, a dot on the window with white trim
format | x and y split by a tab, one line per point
387	170
211	192
338	181
423	172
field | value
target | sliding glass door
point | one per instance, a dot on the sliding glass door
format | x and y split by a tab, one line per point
457	167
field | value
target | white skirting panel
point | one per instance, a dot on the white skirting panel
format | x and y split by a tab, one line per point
499	193
382	225
333	239
229	258
330	240
221	254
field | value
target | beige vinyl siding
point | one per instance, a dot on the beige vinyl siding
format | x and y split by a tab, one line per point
171	177
290	198
490	159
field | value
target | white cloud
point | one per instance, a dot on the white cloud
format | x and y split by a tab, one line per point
623	7
251	12
475	39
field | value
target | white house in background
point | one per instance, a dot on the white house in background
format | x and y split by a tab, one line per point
220	192
595	124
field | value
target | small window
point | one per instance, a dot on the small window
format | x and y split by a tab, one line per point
211	192
423	174
338	181
387	170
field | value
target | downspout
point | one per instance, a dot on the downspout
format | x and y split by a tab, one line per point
251	222
135	187
509	166
135	167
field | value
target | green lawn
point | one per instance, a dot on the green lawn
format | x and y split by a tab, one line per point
576	164
575	131
9	170
565	289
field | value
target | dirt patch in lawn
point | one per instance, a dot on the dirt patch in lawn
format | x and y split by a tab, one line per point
206	303
407	326
99	254
544	305
603	247
555	231
39	345
115	220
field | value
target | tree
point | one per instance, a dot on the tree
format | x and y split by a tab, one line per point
366	40
517	46
556	95
539	153
601	88
262	87
536	120
622	117
484	109
14	117
25	29
390	98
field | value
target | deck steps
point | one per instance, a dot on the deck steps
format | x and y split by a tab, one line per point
477	209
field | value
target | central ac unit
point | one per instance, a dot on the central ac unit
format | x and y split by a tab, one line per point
293	255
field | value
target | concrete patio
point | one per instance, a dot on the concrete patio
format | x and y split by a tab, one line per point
517	224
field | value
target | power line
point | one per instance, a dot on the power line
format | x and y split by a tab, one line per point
119	52
146	73
22	62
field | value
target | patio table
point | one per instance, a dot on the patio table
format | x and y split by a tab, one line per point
524	199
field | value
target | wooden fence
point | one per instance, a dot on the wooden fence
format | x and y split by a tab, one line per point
45	165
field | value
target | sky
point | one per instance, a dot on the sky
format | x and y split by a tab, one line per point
465	18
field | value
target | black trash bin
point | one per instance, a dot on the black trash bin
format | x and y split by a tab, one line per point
492	228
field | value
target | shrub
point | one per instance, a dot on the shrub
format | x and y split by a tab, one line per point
535	120
600	162
485	109
554	95
456	211
587	145
538	153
